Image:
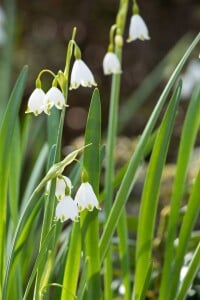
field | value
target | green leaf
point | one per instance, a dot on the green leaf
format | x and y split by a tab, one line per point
122	231
73	258
6	135
193	209
40	257
188	136
31	203
150	196
14	174
89	222
128	179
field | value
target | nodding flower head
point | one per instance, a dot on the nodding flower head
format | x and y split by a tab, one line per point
111	64
81	75
86	198
53	97
67	209
63	187
138	29
35	102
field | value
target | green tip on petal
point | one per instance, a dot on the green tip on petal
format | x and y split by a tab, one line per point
90	207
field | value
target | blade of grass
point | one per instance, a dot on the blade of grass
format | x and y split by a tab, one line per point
188	136
31	203
14	174
193	209
135	160
6	134
150	196
89	221
40	257
73	258
122	231
35	174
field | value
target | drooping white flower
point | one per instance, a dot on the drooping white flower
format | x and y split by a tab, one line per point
86	198
63	187
53	97
67	209
138	29
35	102
111	64
81	75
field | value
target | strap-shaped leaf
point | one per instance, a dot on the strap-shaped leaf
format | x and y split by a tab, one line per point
150	196
6	134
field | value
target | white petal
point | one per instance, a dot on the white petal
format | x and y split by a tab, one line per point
81	75
138	29
86	198
61	185
67	209
55	97
111	64
35	102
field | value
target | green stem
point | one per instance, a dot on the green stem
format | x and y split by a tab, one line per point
110	162
122	231
111	142
51	201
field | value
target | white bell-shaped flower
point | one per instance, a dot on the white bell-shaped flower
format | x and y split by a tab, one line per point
111	64
35	102
63	187
53	97
67	209
86	198
81	75
138	29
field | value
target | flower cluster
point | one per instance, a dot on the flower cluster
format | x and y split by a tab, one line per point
67	208
137	30
40	102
